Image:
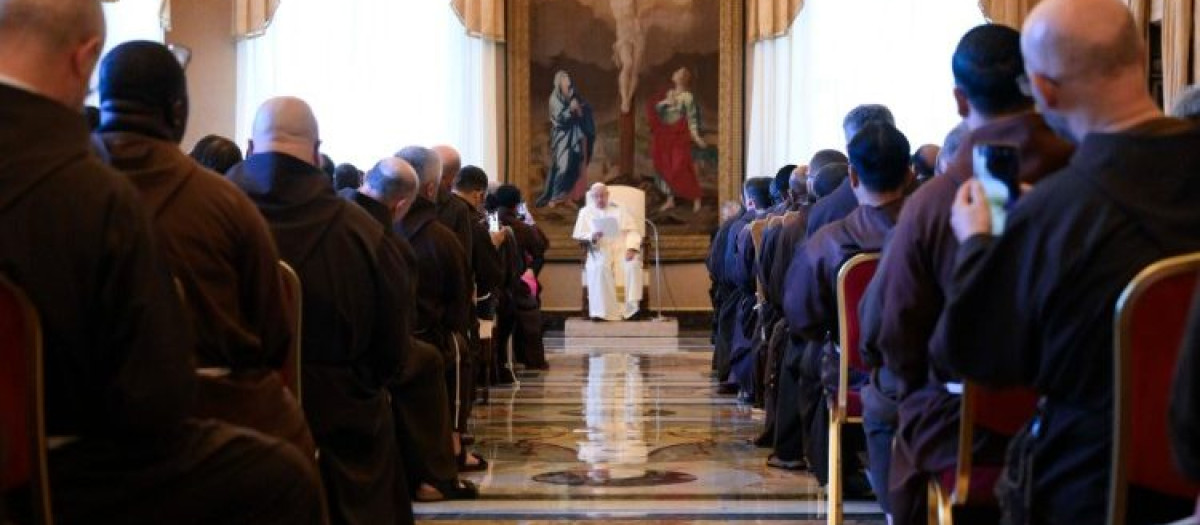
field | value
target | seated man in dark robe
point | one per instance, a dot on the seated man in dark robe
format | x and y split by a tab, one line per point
215	243
1033	306
724	309
739	266
924	163
841	201
216	153
443	291
908	293
116	342
878	172
455	214
520	315
352	310
423	433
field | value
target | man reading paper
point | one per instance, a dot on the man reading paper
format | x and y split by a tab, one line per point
614	241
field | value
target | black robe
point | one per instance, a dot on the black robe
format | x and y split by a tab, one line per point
444	313
810	305
219	248
351	336
423	435
117	347
1034	306
906	299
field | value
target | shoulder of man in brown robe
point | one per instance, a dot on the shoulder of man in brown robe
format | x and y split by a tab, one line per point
457	215
75	237
218	246
918	263
791	233
442	280
810	300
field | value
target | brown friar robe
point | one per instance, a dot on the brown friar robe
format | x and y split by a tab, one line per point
1034	306
351	335
117	346
519	318
907	298
810	305
780	382
423	435
219	248
443	300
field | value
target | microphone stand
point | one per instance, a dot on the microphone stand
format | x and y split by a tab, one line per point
657	270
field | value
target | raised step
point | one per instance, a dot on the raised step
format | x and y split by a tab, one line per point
581	327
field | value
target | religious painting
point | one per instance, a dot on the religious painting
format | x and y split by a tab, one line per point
643	93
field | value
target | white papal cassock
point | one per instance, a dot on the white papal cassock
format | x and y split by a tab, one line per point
606	264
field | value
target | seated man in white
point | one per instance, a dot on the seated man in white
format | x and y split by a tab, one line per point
614	240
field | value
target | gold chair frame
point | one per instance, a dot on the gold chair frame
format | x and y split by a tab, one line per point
837	412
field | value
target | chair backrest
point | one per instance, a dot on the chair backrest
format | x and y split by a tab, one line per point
1002	411
293	305
757	228
1151	316
22	400
634	202
852	280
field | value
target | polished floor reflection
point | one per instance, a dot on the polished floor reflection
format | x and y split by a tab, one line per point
628	430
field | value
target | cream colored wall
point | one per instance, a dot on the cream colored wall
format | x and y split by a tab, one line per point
685	288
205	27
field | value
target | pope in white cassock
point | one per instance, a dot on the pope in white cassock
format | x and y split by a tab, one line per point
614	243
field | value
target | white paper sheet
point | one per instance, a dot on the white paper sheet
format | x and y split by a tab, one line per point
607	226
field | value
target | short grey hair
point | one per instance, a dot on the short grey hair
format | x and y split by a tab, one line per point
859	117
1188	104
419	158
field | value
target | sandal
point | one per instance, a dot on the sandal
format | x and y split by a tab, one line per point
480	465
782	464
457	489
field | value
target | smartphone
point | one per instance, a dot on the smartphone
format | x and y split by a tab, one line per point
493	222
997	166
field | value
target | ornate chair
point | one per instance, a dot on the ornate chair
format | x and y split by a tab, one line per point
1148	329
22	403
1003	412
633	200
293	304
846	408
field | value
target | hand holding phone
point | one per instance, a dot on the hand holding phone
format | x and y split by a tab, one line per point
996	166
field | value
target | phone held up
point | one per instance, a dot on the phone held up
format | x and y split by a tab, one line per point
997	167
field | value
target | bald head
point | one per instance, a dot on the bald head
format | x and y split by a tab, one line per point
1085	63
286	125
451	164
924	161
1085	39
390	181
52	46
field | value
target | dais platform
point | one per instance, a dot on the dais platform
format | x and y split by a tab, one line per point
581	327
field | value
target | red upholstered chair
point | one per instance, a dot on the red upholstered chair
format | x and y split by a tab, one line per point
1151	316
22	407
1002	412
293	304
852	281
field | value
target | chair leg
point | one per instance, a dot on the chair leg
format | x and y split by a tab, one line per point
834	487
940	511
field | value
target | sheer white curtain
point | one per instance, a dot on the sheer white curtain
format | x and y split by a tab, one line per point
842	53
129	20
380	75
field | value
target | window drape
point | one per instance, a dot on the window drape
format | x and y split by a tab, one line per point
252	17
380	75
802	84
482	18
770	18
1011	13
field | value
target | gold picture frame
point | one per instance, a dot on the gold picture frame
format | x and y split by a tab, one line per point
679	244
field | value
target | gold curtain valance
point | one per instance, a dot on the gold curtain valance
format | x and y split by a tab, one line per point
482	18
767	19
1011	13
252	17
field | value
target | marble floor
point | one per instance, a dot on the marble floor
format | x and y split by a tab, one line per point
628	430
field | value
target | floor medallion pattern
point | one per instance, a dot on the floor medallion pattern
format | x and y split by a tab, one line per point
628	430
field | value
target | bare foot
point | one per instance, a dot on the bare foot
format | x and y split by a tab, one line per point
696	206
667	205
